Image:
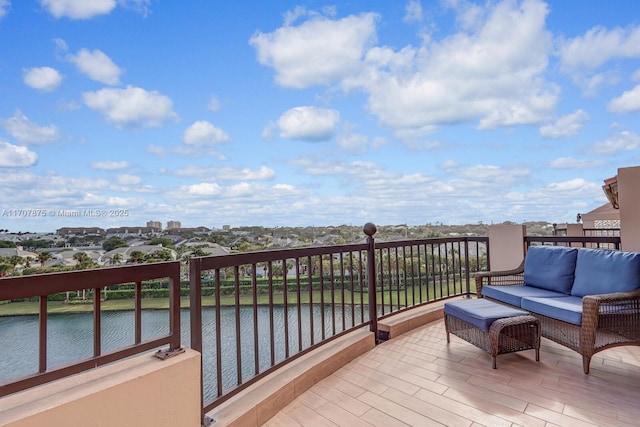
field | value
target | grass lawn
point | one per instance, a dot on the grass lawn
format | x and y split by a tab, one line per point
393	298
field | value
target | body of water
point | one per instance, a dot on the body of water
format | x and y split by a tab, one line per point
70	337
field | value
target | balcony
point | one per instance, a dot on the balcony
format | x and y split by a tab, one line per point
326	367
419	380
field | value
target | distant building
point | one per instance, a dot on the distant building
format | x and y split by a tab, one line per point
605	216
154	224
132	230
173	224
67	231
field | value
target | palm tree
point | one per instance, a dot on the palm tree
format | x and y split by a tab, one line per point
136	257
43	257
84	261
116	259
15	260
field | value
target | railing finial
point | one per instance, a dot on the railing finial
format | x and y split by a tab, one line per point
369	229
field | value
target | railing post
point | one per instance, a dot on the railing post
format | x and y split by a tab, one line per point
466	267
370	229
195	309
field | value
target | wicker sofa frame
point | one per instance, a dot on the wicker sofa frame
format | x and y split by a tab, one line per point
608	320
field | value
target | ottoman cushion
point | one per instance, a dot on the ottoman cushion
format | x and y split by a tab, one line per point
480	313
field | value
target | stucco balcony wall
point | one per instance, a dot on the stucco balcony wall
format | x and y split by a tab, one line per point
139	391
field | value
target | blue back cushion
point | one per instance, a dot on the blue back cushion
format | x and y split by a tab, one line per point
600	271
550	267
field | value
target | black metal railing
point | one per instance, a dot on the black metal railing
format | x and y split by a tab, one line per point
325	293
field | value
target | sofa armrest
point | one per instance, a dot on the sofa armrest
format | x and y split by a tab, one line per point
499	278
613	303
619	310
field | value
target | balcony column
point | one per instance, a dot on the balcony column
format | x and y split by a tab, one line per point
629	202
507	247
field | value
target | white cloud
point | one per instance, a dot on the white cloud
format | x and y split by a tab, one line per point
318	51
110	165
571	163
131	107
97	66
203	189
52	190
623	141
413	11
353	143
127	179
27	132
227	173
16	156
78	9
203	133
4	7
494	174
42	78
591	84
597	46
308	123
492	73
573	186
628	102
566	126
582	56
245	174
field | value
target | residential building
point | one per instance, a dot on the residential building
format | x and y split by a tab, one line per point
173	224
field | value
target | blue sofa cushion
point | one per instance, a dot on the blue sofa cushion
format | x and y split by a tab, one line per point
480	313
566	308
550	267
600	271
513	294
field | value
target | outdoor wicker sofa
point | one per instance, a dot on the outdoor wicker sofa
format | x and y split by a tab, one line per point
585	299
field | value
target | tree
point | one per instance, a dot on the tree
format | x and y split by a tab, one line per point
43	257
84	261
36	244
15	260
4	268
136	257
115	259
114	242
163	254
166	243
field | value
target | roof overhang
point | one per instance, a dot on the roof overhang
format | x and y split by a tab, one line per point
610	189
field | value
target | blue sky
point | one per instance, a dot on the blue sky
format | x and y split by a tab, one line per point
313	113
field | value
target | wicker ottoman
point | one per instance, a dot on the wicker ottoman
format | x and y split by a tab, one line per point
493	327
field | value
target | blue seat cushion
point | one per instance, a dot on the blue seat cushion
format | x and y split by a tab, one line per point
513	294
566	308
550	267
480	312
601	271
